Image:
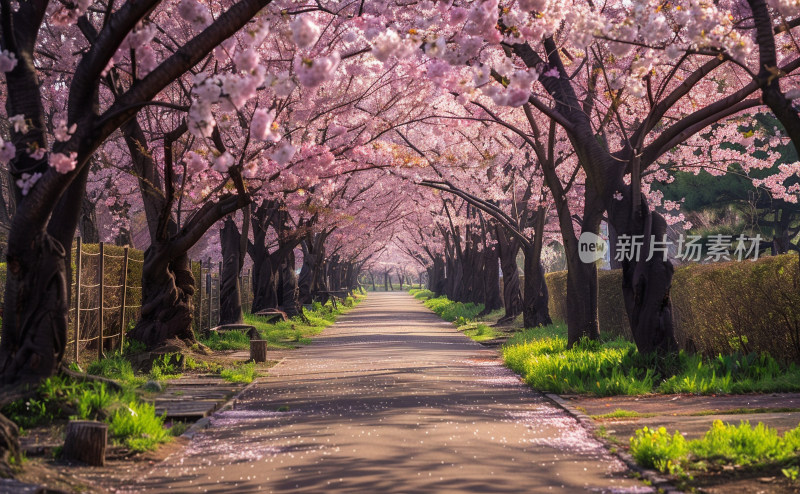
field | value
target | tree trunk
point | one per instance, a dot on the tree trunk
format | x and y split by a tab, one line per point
35	316
265	289
491	285
288	301
88	222
646	284
86	442
305	282
230	297
507	249
535	310
9	446
436	280
167	299
612	244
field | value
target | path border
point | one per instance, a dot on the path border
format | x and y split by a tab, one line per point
656	479
205	422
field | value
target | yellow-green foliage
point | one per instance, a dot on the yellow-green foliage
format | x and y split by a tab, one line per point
718	308
613	367
724	443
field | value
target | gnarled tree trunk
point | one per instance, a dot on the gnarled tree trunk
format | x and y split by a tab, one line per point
507	248
288	301
167	298
646	284
230	297
535	311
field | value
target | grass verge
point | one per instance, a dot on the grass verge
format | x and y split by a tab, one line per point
615	367
464	315
283	334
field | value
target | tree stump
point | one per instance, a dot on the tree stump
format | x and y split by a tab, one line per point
86	442
258	350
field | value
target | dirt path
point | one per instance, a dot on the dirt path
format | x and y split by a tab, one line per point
391	399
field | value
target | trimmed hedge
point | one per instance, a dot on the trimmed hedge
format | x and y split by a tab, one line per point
718	308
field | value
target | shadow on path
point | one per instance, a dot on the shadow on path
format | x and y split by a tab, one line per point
391	399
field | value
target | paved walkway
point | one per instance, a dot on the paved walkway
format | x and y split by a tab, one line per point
391	399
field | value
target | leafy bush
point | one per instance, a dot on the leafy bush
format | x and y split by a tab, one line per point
742	444
55	396
165	367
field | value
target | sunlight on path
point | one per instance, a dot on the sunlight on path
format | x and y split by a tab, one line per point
391	399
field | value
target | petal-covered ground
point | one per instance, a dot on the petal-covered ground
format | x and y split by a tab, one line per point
391	399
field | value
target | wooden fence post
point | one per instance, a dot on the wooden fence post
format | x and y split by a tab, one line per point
247	291
210	288
219	293
124	298
100	273
78	300
199	311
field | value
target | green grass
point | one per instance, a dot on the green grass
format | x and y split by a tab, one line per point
244	373
660	450
116	367
722	444
421	294
138	427
615	367
227	340
480	332
456	312
131	422
620	413
282	334
463	315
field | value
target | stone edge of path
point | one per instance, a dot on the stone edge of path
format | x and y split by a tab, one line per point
205	422
655	478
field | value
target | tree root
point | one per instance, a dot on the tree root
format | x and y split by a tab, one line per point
80	376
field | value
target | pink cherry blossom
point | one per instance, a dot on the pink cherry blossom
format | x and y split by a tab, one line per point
63	163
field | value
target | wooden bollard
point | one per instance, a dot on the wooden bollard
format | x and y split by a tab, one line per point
86	441
258	350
